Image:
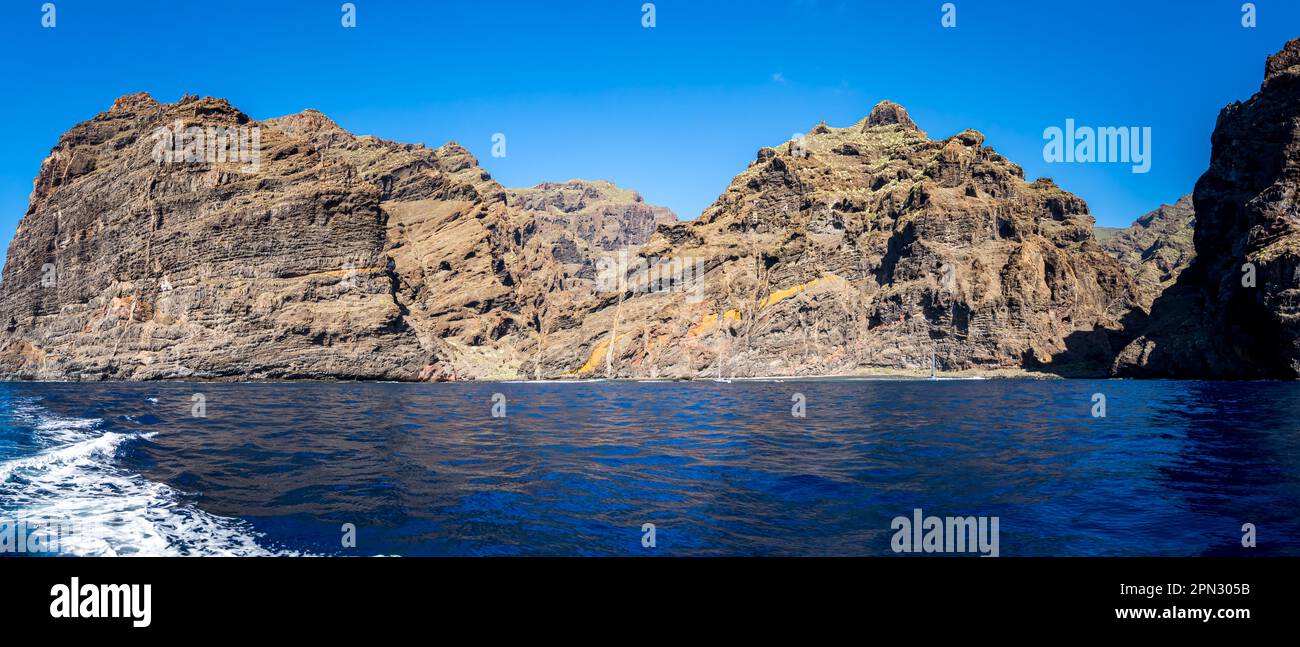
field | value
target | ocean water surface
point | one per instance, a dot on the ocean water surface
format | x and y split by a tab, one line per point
1174	468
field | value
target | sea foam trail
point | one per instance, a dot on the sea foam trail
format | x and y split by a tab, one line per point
112	511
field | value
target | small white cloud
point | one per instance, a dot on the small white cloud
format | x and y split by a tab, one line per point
778	77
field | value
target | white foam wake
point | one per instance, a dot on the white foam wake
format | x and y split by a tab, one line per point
112	511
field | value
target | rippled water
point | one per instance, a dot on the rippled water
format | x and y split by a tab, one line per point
1175	468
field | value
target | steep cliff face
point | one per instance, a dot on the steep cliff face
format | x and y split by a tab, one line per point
455	245
1156	248
864	247
1235	311
582	229
141	258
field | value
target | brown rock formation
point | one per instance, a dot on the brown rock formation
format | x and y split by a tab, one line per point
128	268
1156	248
579	225
1215	321
871	247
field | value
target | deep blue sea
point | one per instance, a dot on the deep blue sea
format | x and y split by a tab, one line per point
1174	467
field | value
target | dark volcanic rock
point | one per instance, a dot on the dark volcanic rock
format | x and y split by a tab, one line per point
1214	322
886	113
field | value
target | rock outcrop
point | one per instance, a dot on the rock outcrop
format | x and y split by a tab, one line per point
1156	248
1235	311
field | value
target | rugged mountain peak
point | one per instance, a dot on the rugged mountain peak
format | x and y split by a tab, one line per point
307	124
1156	248
206	110
135	102
1286	61
971	137
888	113
191	109
456	157
1182	207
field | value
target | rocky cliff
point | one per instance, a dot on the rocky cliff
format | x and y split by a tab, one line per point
188	241
128	267
1156	248
1235	311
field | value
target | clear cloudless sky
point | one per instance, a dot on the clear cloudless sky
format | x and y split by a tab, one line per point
582	90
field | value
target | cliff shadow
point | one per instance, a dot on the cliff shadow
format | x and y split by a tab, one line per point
1091	353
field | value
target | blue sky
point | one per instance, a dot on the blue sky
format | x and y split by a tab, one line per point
581	89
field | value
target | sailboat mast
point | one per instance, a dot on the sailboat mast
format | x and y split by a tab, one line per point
720	356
